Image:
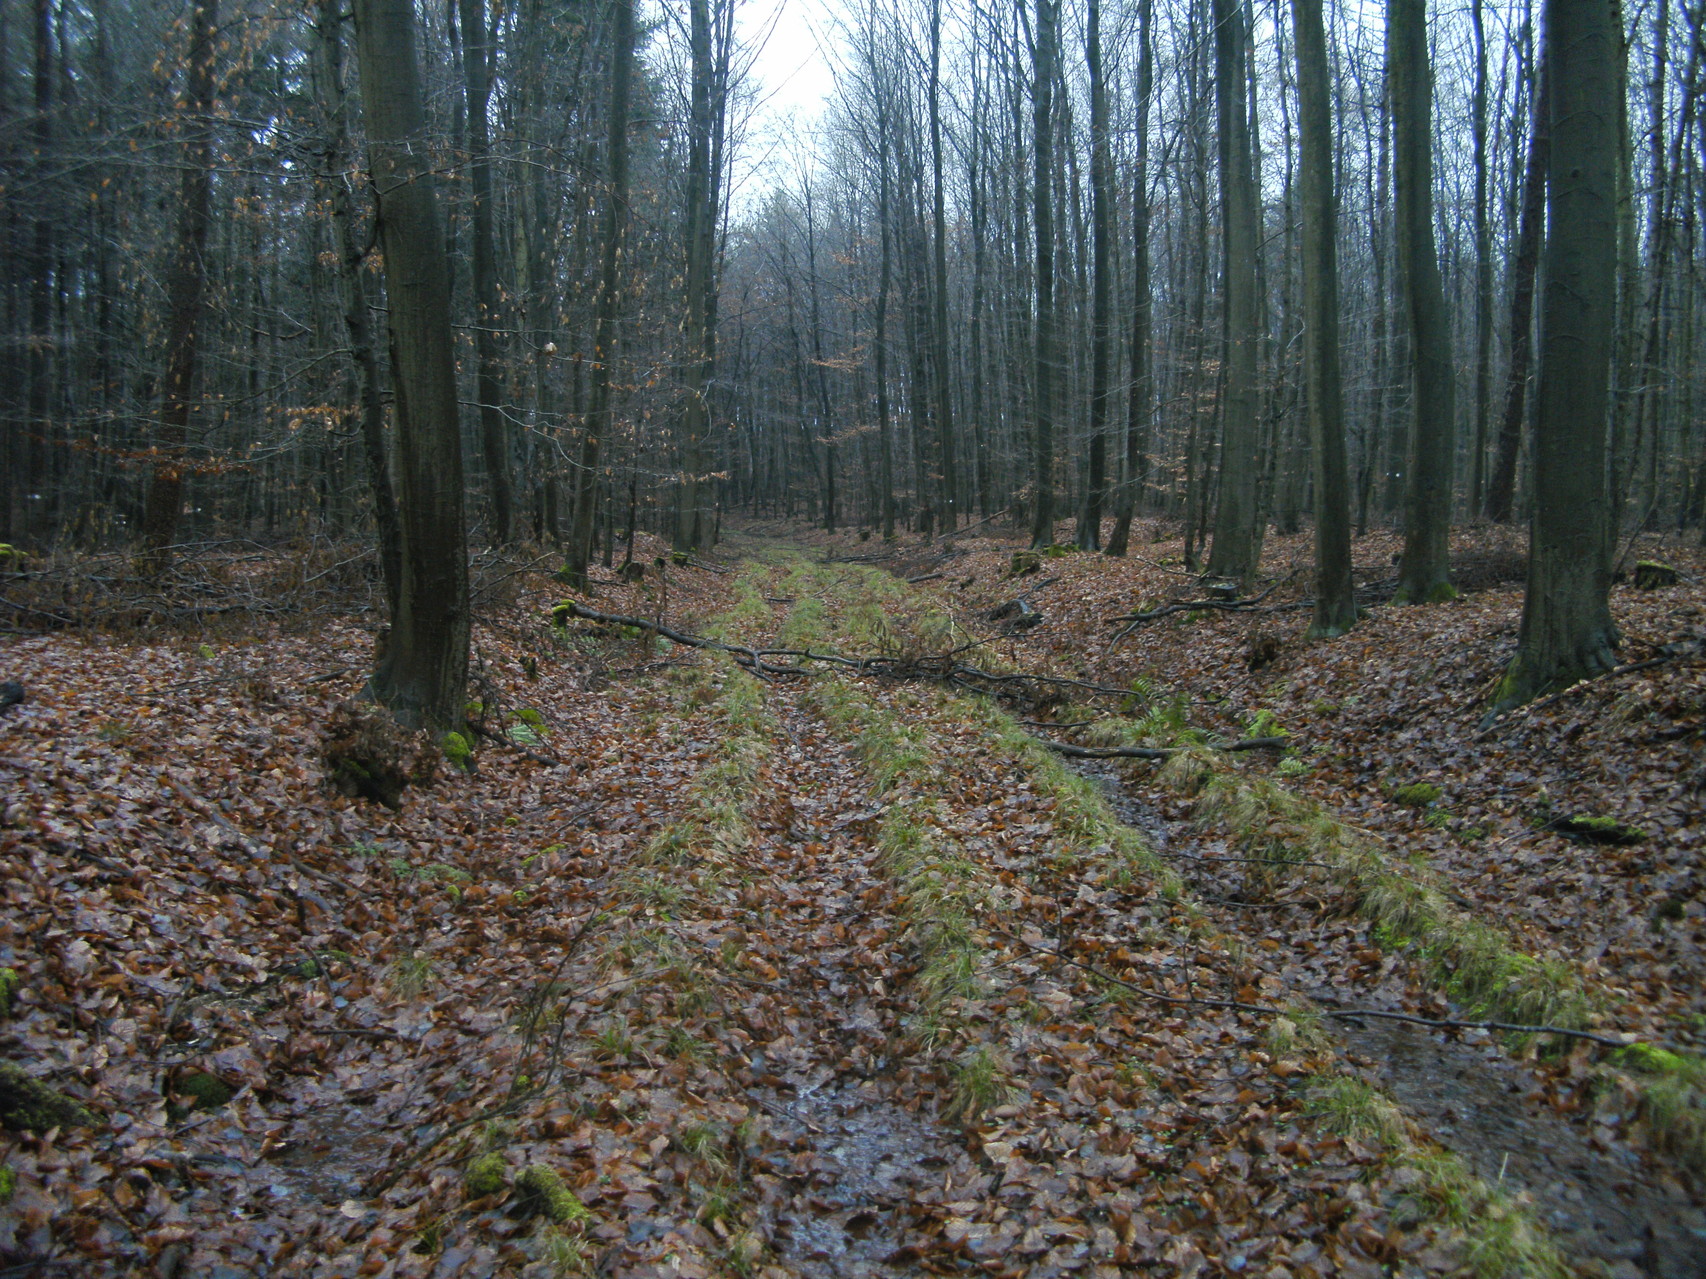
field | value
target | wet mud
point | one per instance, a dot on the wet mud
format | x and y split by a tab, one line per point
1601	1200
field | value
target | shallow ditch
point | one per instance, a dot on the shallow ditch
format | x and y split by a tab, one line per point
1599	1200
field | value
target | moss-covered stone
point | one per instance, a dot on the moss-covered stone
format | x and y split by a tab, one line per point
457	750
1024	563
26	1103
1655	1061
9	982
1600	830
1415	794
541	1190
485	1176
1650	575
205	1091
8	1183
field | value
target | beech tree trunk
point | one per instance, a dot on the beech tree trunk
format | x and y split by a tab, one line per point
369	392
1140	395
691	521
1335	600
1101	285
184	291
1424	574
1237	548
1501	488
488	381
1567	631
422	672
1042	198
599	416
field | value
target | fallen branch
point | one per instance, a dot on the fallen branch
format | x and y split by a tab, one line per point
1133	620
940	668
1156	752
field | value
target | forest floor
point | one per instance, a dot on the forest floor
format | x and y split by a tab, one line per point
702	969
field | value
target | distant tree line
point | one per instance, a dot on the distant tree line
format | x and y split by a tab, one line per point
1228	265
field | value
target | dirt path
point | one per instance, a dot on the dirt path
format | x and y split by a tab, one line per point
831	978
1599	1199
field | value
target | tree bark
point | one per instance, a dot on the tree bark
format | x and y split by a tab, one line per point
1424	574
494	432
951	486
1101	298
1567	632
185	291
1501	489
1335	599
1140	396
691	524
365	357
423	670
1042	203
1237	548
600	416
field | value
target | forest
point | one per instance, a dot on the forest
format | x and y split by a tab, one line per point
1093	662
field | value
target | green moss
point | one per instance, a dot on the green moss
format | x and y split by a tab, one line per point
1024	563
1415	794
8	1183
205	1091
1438	593
457	750
540	1189
485	1176
9	982
27	1103
1645	1057
1600	830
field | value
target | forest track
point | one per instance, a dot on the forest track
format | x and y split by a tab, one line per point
835	978
1465	1090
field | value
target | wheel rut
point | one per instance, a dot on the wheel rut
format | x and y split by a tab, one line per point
1461	1088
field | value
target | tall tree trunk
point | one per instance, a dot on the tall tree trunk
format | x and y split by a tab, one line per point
1237	548
880	338
352	278
423	672
185	289
951	486
1567	631
494	432
1102	267
1424	575
691	523
1140	396
1042	203
1335	599
1501	488
599	416
1483	264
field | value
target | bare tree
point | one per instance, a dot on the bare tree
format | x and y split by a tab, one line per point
1424	575
423	671
1567	631
1335	600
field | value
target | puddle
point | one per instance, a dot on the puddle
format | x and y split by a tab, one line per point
857	1165
335	1154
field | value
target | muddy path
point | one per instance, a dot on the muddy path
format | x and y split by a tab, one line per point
835	978
1505	1115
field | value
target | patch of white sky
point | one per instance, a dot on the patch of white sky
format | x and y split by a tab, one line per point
789	48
